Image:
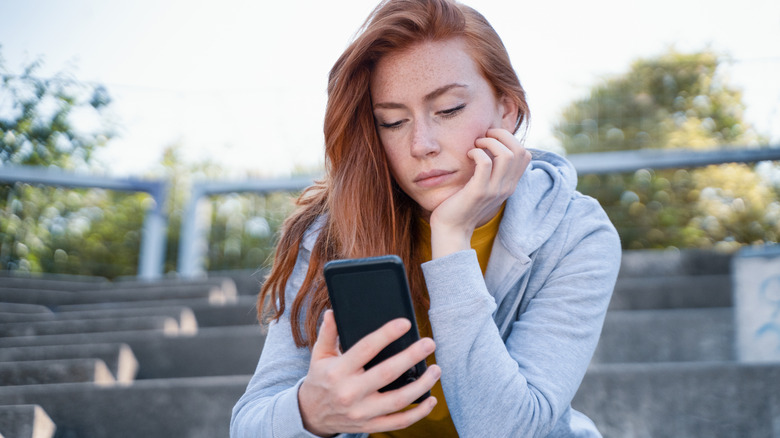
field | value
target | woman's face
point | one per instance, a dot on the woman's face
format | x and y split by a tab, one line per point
430	104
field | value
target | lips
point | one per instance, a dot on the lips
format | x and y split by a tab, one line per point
432	177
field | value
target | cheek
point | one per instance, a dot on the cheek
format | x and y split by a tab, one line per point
469	131
395	161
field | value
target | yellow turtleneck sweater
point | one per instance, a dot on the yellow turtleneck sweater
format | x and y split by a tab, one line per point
438	423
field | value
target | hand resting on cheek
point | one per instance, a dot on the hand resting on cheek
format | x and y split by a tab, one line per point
500	161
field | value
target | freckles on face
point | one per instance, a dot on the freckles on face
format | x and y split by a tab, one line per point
431	103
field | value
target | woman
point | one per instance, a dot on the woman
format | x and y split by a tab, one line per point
510	268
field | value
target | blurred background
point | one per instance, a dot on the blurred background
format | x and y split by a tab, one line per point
146	139
185	92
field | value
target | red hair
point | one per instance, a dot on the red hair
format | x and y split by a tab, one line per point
365	212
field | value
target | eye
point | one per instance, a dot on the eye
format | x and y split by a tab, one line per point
452	111
394	125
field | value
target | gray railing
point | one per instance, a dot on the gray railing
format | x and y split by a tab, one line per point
192	240
152	253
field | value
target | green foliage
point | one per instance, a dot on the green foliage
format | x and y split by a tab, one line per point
244	230
45	121
64	231
60	122
672	101
675	100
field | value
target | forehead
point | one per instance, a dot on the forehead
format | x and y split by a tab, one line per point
422	68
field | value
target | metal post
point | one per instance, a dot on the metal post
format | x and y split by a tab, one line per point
151	260
189	252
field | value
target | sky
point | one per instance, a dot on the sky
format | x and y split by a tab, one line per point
242	83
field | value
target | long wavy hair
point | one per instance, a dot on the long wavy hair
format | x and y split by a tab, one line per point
364	212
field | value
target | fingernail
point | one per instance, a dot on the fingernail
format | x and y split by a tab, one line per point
403	324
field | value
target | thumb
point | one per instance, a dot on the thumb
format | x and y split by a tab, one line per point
327	343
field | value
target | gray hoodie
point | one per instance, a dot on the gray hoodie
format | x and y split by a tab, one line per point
513	345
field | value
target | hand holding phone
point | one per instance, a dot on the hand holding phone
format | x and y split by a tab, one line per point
367	293
338	395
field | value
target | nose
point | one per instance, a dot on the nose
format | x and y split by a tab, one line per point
423	140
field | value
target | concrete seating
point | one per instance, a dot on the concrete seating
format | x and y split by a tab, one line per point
55	371
671	292
128	358
664	366
25	421
162	323
668	335
686	399
158	408
118	357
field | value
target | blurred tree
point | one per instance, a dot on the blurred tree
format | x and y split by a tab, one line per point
60	122
672	101
50	121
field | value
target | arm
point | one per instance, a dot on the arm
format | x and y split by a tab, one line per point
269	407
294	391
521	388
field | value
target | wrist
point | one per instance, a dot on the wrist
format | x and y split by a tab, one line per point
303	408
446	241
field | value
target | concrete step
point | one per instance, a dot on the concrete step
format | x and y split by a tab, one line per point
674	335
55	298
25	421
75	283
192	407
182	315
247	281
26	329
668	292
51	281
714	400
23	308
118	357
224	284
240	312
212	352
13	312
658	263
55	371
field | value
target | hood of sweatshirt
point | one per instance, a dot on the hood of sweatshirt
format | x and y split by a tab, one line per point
538	204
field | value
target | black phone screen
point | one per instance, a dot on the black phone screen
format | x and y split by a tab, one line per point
367	293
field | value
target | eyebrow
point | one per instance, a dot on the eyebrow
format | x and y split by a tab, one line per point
428	97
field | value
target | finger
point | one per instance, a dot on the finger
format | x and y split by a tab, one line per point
407	394
368	347
483	167
522	155
402	419
506	138
502	157
390	369
327	343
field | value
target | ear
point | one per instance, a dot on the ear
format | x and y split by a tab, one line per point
507	110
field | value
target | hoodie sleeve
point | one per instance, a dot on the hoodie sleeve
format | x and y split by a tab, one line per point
524	386
269	406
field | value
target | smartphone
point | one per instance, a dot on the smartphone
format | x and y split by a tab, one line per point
366	293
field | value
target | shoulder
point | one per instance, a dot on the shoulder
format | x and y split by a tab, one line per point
587	230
